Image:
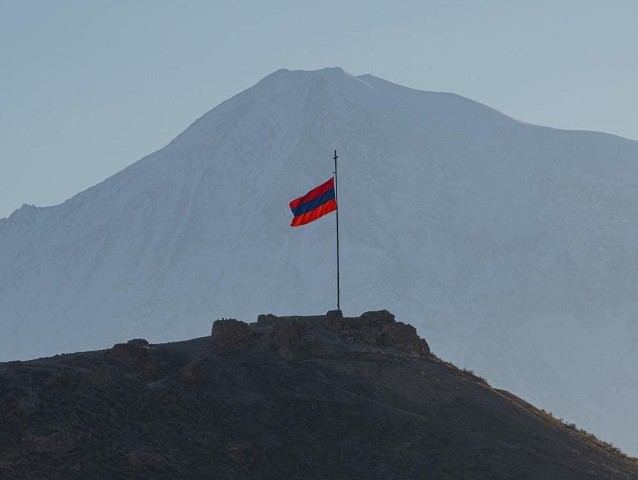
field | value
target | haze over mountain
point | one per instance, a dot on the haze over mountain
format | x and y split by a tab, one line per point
510	246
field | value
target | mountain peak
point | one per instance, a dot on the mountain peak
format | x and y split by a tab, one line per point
287	78
326	71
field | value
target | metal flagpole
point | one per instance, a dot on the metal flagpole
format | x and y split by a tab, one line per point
337	216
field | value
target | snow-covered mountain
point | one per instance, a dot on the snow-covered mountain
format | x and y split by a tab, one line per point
511	246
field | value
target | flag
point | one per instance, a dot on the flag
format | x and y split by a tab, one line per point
315	204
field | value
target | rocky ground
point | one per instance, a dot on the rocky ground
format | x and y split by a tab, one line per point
319	397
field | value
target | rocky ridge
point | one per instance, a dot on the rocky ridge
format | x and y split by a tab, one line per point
287	334
325	397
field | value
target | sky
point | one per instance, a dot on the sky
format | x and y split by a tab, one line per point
87	88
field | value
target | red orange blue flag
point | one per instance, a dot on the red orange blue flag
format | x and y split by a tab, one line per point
315	204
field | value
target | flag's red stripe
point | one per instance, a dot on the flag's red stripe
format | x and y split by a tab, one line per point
314	193
311	216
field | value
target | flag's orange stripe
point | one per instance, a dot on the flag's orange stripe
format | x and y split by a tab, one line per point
329	206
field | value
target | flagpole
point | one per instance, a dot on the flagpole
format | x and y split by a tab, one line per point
337	216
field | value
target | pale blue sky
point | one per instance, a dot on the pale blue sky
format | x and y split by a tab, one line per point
88	87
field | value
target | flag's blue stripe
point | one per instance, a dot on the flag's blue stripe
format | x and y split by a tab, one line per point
312	204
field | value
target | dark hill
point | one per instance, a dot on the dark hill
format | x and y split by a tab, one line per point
285	398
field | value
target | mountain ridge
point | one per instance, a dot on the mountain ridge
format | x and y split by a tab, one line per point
362	77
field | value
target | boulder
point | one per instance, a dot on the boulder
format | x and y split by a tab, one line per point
136	349
404	336
378	328
232	334
379	317
266	319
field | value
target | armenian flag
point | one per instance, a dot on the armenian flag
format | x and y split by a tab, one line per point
316	203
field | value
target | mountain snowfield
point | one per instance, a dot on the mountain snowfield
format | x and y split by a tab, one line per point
510	246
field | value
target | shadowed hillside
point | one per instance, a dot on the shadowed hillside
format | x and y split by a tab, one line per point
319	397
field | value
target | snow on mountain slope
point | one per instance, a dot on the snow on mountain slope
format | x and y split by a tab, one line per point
511	246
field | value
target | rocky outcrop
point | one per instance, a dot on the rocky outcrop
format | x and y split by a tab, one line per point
379	328
133	350
266	319
231	334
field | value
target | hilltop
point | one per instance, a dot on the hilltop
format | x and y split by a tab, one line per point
319	397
